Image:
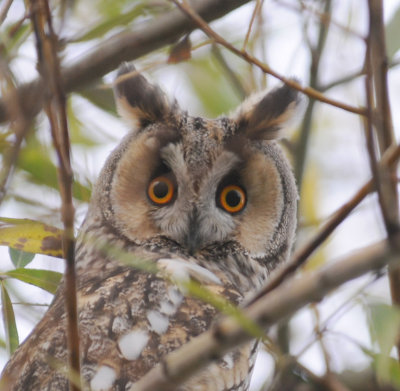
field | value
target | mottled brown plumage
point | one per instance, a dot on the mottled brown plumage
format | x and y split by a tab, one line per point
223	212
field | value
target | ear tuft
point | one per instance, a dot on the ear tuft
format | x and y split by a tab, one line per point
262	117
138	101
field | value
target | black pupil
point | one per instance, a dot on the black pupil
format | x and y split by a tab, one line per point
233	198
160	189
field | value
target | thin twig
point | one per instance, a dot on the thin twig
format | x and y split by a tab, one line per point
351	77
305	131
4	10
231	75
179	365
20	128
337	314
301	255
311	92
124	46
380	116
319	335
256	10
322	17
55	106
377	91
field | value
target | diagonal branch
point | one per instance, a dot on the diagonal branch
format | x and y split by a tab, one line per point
178	366
390	158
311	92
125	46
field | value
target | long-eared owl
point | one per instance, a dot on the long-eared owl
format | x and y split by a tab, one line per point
212	201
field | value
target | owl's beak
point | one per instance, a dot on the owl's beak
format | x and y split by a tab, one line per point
192	243
192	240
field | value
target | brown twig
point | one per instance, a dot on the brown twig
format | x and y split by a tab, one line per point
351	77
311	92
179	365
231	75
4	10
305	131
256	10
379	117
124	46
55	106
301	255
322	17
20	128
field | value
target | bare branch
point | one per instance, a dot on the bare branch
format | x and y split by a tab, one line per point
305	131
301	255
125	46
4	10
20	127
256	10
311	92
379	116
277	305
55	106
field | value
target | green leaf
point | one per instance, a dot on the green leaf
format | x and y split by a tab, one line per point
120	19
45	279
223	305
393	34
34	159
204	73
101	97
384	323
77	129
10	327
20	258
14	38
30	236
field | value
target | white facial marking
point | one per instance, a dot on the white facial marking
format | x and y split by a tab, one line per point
132	344
175	296
175	269
167	308
103	379
158	322
180	269
227	361
119	325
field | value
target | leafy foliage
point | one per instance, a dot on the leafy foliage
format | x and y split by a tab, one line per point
10	326
283	35
30	236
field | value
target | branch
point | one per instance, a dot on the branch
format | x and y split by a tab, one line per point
284	301
20	127
124	46
305	131
379	116
311	92
55	106
4	10
300	256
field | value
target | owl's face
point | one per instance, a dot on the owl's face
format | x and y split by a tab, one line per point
200	183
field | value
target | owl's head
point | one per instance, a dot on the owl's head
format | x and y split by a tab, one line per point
196	182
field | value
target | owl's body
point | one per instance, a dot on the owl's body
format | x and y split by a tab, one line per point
209	200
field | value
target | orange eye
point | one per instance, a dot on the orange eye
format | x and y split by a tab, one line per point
232	198
161	190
